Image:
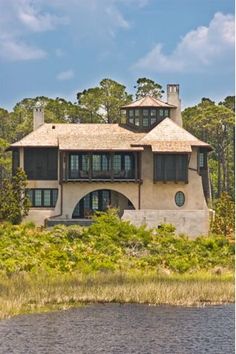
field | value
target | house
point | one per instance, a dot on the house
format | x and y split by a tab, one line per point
148	167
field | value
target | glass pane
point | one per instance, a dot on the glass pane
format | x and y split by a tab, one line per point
166	112
131	113
105	163
38	197
96	162
47	197
74	162
76	212
179	199
136	112
161	113
153	112
145	112
145	122
137	122
153	120
201	159
127	162
95	200
87	201
131	120
117	163
74	166
105	199
85	163
54	196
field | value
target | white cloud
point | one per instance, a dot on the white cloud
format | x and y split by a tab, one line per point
13	50
38	22
197	50
65	75
19	19
90	20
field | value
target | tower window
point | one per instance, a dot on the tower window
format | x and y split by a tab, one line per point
136	112
145	112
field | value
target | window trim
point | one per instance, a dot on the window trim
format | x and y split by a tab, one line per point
184	199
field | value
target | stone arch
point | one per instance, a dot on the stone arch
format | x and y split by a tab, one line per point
100	199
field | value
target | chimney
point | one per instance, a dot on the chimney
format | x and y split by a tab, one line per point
173	98
38	116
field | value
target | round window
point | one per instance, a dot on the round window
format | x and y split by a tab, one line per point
179	199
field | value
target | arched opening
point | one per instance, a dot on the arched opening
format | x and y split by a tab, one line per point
101	200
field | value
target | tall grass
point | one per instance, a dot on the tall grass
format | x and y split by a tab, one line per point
26	293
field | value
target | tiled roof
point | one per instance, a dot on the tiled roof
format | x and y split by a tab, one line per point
148	101
167	136
82	137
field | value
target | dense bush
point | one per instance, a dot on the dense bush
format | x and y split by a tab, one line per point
108	244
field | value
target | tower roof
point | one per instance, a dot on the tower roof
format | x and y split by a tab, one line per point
148	101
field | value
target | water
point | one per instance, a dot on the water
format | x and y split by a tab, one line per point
125	329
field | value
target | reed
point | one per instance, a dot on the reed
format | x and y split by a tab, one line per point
25	292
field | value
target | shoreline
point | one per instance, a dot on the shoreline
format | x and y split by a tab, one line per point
30	293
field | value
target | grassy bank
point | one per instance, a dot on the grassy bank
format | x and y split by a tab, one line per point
27	293
111	261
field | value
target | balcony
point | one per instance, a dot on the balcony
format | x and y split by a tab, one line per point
101	167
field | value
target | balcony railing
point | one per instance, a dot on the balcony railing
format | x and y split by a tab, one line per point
101	175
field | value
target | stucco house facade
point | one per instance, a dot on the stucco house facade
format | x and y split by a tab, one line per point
147	166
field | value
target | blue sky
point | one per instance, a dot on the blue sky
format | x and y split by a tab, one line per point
59	47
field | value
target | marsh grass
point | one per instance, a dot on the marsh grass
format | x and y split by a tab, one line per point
27	293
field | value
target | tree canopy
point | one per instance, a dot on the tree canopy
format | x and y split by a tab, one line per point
103	103
147	87
215	124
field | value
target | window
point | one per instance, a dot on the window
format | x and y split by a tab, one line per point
123	166
131	113
117	163
136	122
153	112
166	112
145	121
100	162
41	163
171	167
136	112
161	112
145	112
42	197
153	120
131	120
94	201
201	159
74	166
101	166
179	199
